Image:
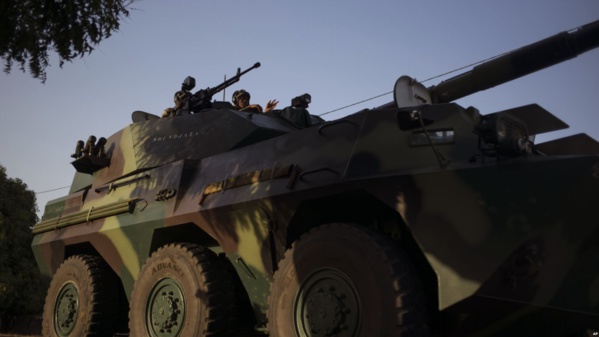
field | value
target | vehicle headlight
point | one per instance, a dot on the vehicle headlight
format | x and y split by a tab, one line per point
504	134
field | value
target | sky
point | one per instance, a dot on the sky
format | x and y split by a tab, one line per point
338	51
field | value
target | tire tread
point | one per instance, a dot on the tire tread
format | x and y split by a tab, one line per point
410	302
102	296
221	311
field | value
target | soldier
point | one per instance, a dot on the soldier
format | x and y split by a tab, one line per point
168	112
180	97
241	102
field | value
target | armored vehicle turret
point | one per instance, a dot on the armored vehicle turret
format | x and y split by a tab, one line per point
416	218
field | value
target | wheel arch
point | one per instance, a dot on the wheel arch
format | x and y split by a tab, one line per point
82	248
185	232
361	208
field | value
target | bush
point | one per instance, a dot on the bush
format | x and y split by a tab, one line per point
22	289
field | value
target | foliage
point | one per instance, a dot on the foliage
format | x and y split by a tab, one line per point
22	290
29	28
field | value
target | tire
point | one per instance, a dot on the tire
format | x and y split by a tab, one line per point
182	290
81	299
345	280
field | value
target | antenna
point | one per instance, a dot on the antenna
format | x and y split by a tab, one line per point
225	89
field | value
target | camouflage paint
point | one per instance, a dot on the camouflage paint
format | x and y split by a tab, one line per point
517	232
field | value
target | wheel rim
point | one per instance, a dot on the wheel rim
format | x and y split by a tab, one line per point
327	304
165	311
65	310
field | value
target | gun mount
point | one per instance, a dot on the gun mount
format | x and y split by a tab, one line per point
186	102
421	218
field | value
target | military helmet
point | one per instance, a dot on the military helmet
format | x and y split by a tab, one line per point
238	94
179	96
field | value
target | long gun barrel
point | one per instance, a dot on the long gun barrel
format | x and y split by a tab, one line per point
518	63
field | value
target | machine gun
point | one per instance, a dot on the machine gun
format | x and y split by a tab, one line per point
186	102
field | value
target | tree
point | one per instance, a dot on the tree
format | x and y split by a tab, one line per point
22	290
29	28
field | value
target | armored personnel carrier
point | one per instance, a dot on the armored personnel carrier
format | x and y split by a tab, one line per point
416	218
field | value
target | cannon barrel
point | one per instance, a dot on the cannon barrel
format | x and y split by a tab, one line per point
518	63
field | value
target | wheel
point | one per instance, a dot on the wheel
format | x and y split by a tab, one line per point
345	280
182	290
81	299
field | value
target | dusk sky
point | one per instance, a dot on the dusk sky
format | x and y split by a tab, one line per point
340	52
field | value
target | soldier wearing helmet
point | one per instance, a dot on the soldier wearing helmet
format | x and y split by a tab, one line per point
241	102
180	98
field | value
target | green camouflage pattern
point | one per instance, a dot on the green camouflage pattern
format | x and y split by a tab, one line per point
502	243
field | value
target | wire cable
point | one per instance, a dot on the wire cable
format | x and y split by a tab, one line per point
36	193
428	79
52	190
347	106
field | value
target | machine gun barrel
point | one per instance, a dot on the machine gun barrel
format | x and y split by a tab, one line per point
231	81
520	62
202	98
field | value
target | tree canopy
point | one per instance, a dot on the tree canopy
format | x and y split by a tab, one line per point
21	288
30	28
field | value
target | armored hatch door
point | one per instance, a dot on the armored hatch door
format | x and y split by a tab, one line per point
580	144
140	116
537	119
161	141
